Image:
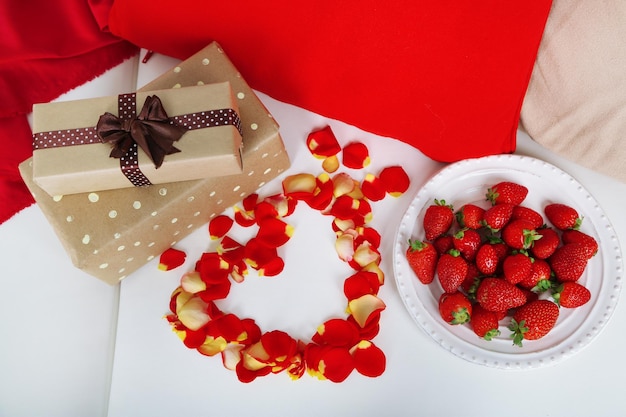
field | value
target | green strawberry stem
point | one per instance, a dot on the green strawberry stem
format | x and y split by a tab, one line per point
518	330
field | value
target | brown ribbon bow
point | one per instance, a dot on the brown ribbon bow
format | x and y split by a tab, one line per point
151	130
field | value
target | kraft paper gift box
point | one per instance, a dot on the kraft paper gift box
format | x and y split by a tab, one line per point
69	156
109	234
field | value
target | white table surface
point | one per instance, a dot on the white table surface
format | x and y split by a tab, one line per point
73	346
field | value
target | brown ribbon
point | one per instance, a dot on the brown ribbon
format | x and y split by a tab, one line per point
151	130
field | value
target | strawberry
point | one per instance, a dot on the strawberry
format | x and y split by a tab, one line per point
571	294
519	234
533	321
451	270
455	308
562	216
547	242
422	258
496	217
507	192
484	323
576	236
526	213
487	259
443	243
467	241
437	219
470	216
539	278
517	267
497	294
569	261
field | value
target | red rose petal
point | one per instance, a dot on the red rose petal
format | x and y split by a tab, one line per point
250	201
322	196
279	345
373	188
371	329
265	210
335	364
345	207
274	232
361	283
171	258
369	360
272	268
356	155
284	205
212	268
258	254
219	226
244	218
323	143
338	333
368	234
396	180
217	291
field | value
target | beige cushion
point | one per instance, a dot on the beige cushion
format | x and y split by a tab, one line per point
576	100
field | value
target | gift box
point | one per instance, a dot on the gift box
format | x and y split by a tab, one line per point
136	139
109	234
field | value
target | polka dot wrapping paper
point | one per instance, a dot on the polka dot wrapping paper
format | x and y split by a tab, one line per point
109	234
69	158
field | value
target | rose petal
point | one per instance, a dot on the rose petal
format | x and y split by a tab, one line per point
212	346
338	333
213	268
299	186
364	307
192	283
373	188
323	143
395	179
322	196
231	356
171	258
272	268
219	226
217	291
244	218
369	360
274	232
192	314
356	155
250	201
335	364
375	268
331	164
283	205
364	254
361	283
344	245
345	207
342	184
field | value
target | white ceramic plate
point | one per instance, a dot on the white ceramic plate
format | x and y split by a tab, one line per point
466	182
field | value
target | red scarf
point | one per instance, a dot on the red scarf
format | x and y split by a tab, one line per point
46	49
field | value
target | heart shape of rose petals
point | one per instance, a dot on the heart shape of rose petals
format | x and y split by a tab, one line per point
339	345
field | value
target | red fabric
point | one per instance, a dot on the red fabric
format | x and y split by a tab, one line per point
46	49
448	78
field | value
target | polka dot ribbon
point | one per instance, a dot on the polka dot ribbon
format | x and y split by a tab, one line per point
129	163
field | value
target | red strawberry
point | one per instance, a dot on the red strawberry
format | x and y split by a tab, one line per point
576	236
489	259
455	308
569	261
443	243
496	217
562	216
571	295
438	219
451	270
507	192
519	234
467	241
546	244
422	258
470	216
497	294
484	323
517	267
526	213
539	278
533	321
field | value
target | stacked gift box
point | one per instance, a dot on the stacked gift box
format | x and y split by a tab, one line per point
108	220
